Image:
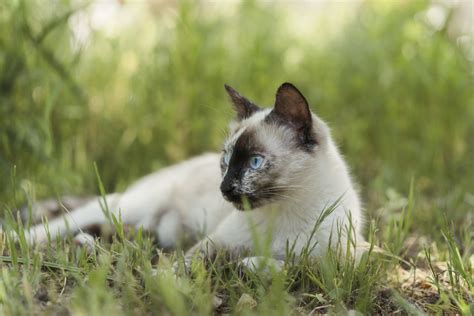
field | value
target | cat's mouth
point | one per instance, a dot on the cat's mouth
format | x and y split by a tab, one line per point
243	206
250	201
245	202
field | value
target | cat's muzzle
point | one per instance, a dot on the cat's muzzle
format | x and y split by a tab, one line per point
230	194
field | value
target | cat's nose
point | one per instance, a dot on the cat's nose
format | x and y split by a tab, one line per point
228	190
226	187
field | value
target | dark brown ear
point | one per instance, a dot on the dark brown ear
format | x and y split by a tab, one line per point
242	106
292	109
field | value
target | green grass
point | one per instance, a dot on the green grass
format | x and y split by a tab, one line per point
119	277
396	92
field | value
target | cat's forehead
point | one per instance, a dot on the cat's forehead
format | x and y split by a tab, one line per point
249	126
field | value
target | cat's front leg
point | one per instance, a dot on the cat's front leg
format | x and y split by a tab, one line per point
204	249
262	264
232	235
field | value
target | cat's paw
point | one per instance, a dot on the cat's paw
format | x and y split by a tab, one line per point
86	241
181	266
262	264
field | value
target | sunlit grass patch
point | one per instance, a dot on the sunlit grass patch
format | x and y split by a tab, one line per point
127	274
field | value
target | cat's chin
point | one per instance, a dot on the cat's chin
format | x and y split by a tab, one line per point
251	205
251	202
242	207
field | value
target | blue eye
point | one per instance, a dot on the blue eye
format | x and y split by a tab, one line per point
256	162
226	158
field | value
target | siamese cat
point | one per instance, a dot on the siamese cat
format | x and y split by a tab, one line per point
279	170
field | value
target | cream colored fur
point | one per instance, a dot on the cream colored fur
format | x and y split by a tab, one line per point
316	182
184	200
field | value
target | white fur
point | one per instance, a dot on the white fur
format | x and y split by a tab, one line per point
185	200
323	179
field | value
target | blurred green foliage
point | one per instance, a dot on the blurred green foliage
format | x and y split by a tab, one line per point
397	93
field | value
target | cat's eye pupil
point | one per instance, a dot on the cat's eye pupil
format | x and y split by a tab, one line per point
256	162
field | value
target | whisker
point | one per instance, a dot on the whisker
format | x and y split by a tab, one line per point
288	197
286	188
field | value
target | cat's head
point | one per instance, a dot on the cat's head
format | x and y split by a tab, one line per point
268	153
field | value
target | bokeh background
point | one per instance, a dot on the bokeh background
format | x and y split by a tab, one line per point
136	85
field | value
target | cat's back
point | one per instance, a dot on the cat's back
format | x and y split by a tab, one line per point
196	171
184	195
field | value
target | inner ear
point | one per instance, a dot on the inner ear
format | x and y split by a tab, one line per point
242	106
292	109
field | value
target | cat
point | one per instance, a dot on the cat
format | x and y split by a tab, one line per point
278	172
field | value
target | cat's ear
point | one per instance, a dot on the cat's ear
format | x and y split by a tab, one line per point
292	109
291	106
242	106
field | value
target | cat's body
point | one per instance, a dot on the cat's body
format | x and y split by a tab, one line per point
180	201
280	164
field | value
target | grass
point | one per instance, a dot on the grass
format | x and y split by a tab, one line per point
396	91
124	277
